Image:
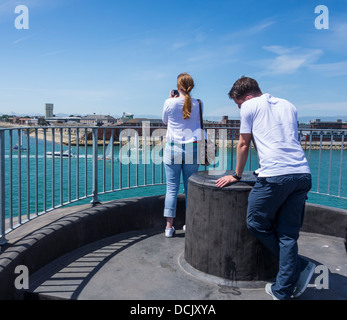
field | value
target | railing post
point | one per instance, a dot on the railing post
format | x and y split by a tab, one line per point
2	188
95	201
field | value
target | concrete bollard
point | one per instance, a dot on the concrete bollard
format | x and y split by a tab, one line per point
218	242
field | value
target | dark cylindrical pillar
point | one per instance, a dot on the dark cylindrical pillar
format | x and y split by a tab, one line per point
217	239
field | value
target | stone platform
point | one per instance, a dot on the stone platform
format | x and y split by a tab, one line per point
144	265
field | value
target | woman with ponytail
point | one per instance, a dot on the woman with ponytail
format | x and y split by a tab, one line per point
181	114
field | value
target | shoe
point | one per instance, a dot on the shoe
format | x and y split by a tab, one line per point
304	279
269	291
169	232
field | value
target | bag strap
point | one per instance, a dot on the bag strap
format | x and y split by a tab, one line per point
201	120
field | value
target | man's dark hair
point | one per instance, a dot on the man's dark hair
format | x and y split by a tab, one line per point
243	87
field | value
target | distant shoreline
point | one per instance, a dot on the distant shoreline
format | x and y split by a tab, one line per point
315	145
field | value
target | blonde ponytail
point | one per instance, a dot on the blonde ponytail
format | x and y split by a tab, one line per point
187	107
186	83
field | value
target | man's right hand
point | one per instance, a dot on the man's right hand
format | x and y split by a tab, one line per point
224	181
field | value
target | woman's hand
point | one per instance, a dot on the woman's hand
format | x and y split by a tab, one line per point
222	182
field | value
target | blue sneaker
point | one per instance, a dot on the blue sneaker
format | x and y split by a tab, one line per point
304	279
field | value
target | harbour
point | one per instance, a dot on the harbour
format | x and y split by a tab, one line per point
36	182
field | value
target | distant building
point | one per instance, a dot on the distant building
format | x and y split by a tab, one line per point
324	129
137	122
63	120
127	115
338	124
26	121
49	110
230	123
56	121
232	127
98	120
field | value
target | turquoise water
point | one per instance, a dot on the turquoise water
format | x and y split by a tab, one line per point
29	202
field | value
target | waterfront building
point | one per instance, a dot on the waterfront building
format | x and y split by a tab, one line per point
324	129
98	120
334	125
49	110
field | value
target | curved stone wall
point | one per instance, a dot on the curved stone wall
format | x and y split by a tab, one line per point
325	220
62	231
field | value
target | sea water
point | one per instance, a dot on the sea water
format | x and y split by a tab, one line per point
130	180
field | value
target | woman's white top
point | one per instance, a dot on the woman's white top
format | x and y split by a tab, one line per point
180	130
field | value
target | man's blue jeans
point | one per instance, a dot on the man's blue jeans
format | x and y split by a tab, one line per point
275	215
179	159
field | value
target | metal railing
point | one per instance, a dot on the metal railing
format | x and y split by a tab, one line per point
44	168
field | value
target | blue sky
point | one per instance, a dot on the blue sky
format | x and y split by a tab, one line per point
114	56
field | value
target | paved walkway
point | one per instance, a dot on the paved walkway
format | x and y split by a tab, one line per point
147	266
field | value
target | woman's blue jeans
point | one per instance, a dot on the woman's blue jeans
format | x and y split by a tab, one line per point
179	159
275	215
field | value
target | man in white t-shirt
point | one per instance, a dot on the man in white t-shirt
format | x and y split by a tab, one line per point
276	203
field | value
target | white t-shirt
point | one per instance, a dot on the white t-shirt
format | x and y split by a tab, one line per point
180	130
273	123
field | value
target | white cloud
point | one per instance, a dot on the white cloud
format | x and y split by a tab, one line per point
331	69
251	31
332	40
22	39
225	54
197	37
179	44
279	49
259	28
53	53
290	60
200	37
